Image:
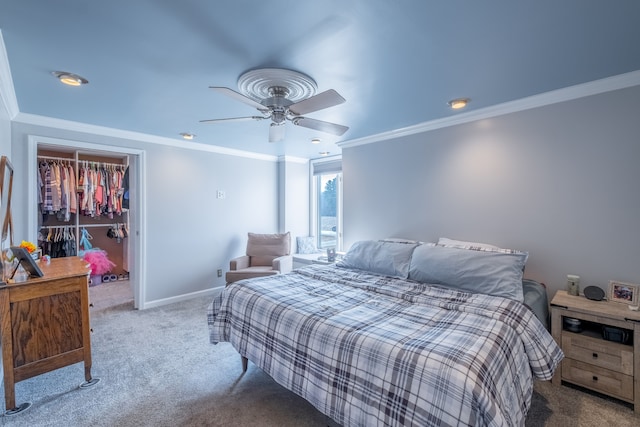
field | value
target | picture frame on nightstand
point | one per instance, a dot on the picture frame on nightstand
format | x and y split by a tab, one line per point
625	293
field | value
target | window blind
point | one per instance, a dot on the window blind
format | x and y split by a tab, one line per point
329	166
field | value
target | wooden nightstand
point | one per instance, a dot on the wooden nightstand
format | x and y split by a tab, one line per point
605	366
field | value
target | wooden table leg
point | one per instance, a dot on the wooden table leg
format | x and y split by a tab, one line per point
7	351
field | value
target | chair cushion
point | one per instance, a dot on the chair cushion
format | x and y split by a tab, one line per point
264	248
249	273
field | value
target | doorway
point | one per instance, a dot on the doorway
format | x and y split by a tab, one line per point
135	159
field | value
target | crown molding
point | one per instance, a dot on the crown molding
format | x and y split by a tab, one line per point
7	93
37	120
569	93
293	159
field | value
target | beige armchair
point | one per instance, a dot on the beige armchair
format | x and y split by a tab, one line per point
267	254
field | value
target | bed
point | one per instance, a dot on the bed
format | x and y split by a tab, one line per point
381	338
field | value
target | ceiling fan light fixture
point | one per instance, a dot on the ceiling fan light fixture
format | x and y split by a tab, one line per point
283	95
187	135
70	79
458	103
316	140
262	83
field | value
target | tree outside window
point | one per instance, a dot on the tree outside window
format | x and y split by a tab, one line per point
328	209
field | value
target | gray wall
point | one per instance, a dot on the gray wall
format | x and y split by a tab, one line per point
294	198
560	182
5	131
190	233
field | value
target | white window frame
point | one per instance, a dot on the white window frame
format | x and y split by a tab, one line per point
332	165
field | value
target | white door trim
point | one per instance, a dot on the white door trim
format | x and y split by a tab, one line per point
137	219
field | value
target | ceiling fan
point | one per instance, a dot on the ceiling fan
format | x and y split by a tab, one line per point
280	95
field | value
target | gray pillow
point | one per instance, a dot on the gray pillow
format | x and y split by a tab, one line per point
479	271
382	257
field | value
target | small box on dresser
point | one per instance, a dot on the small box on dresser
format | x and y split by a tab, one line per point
609	366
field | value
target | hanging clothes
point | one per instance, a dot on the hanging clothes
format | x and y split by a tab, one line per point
100	189
57	190
58	241
125	188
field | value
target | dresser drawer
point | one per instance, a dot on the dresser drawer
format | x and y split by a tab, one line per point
598	352
595	378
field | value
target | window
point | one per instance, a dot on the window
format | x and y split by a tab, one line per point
326	203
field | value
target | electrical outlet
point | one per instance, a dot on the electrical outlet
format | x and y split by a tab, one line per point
219	272
221	194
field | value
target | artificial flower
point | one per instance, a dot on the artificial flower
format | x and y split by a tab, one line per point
30	247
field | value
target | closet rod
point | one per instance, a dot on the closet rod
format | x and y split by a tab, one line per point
66	159
55	227
71	159
100	225
101	163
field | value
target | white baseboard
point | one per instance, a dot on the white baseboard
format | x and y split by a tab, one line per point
157	303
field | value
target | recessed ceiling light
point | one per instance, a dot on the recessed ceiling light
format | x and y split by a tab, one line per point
70	78
316	141
458	103
187	135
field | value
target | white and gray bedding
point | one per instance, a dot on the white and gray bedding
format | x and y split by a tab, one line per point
368	349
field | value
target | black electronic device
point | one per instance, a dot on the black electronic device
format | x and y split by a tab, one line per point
610	333
593	293
28	263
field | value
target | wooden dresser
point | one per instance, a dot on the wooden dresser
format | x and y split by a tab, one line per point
591	361
44	323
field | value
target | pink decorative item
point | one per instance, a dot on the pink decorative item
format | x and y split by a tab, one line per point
99	261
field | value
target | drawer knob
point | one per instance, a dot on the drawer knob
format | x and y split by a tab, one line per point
595	378
595	355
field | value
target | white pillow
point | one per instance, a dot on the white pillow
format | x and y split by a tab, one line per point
399	240
306	245
488	272
382	257
443	241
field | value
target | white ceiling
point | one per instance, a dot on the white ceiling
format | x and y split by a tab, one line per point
150	62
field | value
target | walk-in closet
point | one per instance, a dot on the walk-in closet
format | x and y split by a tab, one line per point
84	210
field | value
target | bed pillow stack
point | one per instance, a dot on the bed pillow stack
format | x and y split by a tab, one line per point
469	266
387	257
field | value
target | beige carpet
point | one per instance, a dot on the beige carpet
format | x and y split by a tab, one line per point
110	294
570	407
157	368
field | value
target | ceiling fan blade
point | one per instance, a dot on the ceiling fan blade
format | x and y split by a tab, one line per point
239	97
323	100
320	125
276	132
234	119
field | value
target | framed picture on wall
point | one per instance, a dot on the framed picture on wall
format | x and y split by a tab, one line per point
627	293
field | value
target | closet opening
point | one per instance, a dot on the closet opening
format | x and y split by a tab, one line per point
87	206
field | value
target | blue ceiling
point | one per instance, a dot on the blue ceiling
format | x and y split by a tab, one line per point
397	63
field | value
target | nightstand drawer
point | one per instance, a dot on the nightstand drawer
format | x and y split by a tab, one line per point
602	380
598	352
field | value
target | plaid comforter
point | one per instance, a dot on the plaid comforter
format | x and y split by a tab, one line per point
370	350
